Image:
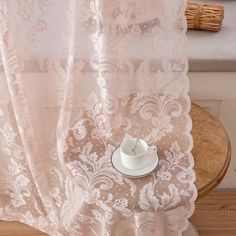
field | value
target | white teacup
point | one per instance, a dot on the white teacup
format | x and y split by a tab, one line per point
138	159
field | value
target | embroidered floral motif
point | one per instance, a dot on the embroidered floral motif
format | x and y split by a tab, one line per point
78	78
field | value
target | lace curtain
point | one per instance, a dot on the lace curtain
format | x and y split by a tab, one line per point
76	79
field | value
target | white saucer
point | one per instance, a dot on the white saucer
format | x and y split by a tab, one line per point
152	162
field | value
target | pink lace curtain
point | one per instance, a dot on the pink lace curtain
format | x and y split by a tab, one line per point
76	79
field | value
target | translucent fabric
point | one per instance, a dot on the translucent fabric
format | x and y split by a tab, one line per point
76	79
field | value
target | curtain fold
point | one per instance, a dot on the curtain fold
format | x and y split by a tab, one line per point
76	79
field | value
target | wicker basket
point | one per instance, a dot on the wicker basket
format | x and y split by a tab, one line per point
204	16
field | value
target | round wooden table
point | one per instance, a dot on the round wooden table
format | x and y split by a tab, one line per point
211	153
211	150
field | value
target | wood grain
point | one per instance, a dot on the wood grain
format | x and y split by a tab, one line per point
211	150
215	215
13	228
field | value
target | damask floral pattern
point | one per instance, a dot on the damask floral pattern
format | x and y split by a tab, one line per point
78	78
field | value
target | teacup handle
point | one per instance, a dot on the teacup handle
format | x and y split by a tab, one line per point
152	148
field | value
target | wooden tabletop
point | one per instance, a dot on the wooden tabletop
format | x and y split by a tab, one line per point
211	153
211	150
